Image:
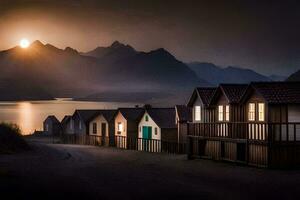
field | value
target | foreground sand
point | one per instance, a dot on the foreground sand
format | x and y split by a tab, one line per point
52	171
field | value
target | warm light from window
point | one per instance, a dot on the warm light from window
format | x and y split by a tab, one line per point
197	113
261	112
227	113
221	113
120	127
251	112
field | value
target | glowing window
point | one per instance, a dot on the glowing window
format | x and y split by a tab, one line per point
261	112
197	113
251	112
221	113
120	127
227	113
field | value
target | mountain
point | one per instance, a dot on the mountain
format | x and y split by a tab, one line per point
67	73
294	77
116	51
215	74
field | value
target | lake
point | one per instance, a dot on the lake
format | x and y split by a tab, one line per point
29	115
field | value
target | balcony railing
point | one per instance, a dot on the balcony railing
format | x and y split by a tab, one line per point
277	132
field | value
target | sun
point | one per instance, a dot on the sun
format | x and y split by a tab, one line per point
24	43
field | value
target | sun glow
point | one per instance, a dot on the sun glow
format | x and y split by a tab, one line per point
24	43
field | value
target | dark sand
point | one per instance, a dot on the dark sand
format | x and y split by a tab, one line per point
55	171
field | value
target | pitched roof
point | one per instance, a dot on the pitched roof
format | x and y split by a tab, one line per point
86	115
132	114
233	92
52	118
184	113
163	117
66	119
278	92
108	114
204	93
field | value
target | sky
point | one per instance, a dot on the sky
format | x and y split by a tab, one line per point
260	35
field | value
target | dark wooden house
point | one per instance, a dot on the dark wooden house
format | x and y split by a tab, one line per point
66	125
184	114
256	124
52	126
81	119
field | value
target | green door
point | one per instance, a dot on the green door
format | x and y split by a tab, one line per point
147	136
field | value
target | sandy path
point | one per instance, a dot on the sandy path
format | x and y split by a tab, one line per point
54	171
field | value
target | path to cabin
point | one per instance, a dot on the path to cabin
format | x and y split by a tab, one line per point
55	171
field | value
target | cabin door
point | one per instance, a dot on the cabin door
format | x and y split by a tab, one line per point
147	136
103	133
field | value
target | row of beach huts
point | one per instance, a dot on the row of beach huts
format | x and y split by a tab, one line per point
255	124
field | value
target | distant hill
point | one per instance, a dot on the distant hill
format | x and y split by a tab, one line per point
67	73
294	77
215	74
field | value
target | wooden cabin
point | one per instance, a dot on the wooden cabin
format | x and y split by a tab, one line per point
81	119
273	118
51	126
199	102
256	125
126	127
67	125
184	114
157	127
103	125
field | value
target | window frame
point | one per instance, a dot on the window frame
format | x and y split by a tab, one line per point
197	113
95	127
251	111
227	113
261	113
220	113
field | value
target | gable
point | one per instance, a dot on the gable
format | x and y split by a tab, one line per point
150	120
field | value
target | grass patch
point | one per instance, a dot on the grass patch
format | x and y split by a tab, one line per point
11	140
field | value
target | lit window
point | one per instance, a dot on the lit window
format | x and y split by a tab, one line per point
221	113
261	112
155	131
146	118
251	112
227	113
197	113
120	127
94	128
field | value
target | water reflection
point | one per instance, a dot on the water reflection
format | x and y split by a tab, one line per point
25	116
30	115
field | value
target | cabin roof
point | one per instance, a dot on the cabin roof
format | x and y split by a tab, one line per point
52	118
278	92
232	92
108	114
163	117
204	93
66	119
184	113
86	115
132	114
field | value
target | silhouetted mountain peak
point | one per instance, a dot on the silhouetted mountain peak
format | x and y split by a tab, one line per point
71	50
37	43
161	53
